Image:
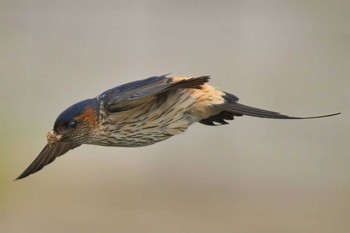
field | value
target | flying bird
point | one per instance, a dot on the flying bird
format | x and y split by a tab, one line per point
142	113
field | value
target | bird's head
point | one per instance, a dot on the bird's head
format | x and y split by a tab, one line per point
75	123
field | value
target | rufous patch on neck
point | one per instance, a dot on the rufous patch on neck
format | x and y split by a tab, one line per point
89	116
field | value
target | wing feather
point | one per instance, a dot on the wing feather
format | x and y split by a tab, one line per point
131	94
48	155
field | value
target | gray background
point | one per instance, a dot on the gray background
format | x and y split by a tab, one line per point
254	175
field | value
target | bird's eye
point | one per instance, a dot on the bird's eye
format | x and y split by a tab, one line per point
72	124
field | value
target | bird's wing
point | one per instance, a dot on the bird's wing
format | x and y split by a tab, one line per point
47	155
131	94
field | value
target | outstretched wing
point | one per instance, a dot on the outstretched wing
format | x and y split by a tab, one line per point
129	95
48	155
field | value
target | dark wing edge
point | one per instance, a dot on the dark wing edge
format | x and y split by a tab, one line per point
124	96
48	155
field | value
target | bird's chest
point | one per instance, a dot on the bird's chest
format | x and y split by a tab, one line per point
144	125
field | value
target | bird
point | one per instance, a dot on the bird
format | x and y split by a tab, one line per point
142	113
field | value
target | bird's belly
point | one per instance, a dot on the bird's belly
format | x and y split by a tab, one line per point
137	139
140	136
142	132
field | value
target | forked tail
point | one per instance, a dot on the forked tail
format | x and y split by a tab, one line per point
231	108
238	108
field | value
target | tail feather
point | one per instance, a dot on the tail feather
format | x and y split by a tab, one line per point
231	108
238	108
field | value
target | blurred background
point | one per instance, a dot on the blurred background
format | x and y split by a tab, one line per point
254	175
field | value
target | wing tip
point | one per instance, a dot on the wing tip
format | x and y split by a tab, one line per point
189	82
47	156
29	171
23	175
20	177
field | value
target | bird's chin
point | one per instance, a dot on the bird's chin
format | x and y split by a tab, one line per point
53	138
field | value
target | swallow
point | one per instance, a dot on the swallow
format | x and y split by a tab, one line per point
142	113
